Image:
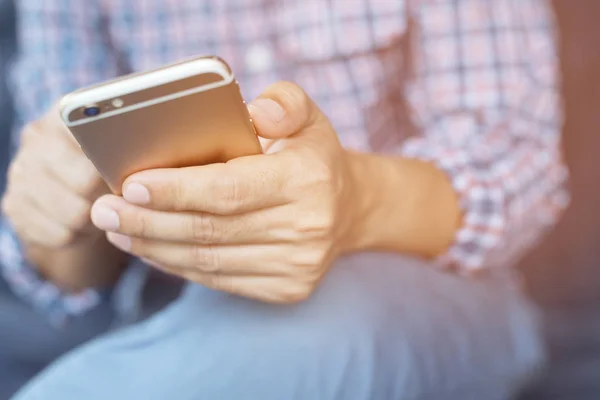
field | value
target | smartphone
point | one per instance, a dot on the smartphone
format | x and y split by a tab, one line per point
186	114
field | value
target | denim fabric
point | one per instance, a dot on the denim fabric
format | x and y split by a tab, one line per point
28	343
379	328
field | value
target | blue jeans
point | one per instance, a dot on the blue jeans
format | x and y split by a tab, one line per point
28	343
380	327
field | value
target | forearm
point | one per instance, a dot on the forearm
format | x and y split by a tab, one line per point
401	205
91	263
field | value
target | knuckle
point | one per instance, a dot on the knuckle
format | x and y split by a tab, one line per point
85	182
203	229
316	226
321	175
291	95
230	193
206	258
310	261
63	238
320	181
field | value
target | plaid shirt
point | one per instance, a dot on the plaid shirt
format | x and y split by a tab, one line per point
467	84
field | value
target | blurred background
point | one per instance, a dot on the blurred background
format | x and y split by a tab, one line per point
563	274
7	48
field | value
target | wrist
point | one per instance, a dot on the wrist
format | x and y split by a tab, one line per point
357	206
89	263
400	205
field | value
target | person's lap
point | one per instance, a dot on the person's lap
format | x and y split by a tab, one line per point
380	327
28	342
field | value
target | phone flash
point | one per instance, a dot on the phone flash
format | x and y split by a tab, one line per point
118	103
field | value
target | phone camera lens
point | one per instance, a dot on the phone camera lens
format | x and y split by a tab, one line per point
91	111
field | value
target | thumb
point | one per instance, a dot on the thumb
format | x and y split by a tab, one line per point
285	110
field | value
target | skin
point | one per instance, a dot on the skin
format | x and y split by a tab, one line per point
51	189
269	227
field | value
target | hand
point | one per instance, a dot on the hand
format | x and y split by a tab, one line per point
266	227
51	186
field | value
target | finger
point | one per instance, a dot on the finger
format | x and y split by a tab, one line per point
59	203
231	260
53	123
36	228
224	189
50	125
59	127
276	290
61	159
283	110
74	170
114	214
79	175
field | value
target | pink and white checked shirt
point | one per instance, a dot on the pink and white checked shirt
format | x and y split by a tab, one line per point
467	84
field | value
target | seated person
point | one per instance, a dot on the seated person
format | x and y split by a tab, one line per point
367	255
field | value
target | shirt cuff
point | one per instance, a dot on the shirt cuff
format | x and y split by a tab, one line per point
27	284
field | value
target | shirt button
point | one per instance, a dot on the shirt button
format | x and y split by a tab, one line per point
259	58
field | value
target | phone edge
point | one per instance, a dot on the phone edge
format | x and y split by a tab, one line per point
143	81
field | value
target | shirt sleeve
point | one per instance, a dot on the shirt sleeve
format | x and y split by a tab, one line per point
486	100
62	45
42	295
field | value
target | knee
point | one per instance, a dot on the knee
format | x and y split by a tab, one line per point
330	347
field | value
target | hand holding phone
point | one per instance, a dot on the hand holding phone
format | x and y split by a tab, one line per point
266	227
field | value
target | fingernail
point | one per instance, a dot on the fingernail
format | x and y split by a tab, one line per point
269	108
135	193
119	241
105	218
